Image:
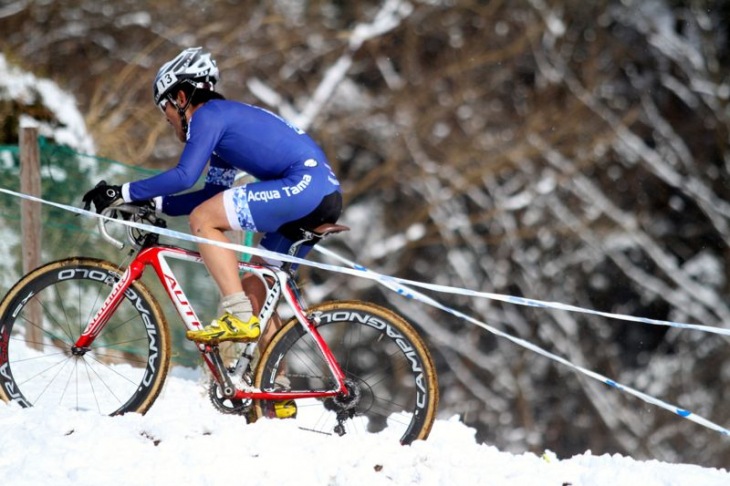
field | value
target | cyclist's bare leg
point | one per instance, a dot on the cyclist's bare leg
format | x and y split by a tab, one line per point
209	221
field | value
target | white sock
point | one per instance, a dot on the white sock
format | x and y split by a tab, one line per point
238	304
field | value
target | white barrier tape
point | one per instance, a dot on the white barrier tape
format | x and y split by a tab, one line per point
184	236
415	295
400	286
557	305
360	271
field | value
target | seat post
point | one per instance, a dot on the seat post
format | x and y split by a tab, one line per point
315	235
294	248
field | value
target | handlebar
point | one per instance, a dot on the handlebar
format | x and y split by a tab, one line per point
136	213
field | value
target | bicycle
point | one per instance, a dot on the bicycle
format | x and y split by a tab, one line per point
87	334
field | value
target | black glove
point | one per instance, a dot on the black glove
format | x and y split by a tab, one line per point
103	196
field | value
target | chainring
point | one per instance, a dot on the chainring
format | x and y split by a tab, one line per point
226	405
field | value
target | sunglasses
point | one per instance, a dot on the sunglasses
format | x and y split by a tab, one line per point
162	105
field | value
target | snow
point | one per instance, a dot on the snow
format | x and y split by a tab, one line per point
184	440
16	84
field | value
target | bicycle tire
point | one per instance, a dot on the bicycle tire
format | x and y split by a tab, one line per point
124	369
387	365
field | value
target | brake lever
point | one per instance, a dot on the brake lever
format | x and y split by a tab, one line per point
112	212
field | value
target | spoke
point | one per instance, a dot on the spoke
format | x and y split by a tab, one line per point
39	357
65	388
60	300
89	369
113	370
62	365
384	371
98	355
123	346
91	386
44	370
42	330
114	327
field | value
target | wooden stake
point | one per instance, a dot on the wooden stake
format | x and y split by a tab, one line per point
30	218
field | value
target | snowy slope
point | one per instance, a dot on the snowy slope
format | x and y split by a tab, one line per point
183	440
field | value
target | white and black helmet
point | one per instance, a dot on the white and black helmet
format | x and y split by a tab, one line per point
193	65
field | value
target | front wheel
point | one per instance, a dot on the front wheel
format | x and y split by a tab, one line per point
389	372
42	317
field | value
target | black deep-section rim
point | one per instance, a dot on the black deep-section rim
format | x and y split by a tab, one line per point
381	360
116	375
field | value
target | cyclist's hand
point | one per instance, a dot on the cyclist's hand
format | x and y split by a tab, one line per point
148	204
103	196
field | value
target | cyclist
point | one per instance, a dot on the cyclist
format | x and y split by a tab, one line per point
295	187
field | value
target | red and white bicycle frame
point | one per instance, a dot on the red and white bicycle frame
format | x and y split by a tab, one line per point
156	256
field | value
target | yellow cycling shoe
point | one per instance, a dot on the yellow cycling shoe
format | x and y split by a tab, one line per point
284	409
227	328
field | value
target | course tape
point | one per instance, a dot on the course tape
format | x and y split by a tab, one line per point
404	287
392	284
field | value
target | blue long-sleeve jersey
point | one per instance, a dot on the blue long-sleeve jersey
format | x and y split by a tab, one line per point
232	136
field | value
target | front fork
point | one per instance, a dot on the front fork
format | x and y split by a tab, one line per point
107	309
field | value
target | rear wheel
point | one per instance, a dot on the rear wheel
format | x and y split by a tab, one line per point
389	373
42	317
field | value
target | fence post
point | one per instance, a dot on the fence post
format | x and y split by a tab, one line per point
30	220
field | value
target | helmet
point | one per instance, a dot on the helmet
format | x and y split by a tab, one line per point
193	66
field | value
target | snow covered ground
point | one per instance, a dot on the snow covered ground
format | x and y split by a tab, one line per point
183	440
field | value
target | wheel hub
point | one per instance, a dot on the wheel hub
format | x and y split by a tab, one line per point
77	351
345	403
